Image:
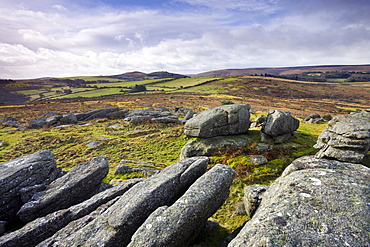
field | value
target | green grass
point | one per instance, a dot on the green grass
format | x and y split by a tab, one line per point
159	145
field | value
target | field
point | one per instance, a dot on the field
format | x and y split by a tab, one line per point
160	144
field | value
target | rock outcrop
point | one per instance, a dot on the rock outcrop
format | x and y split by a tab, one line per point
74	187
279	126
211	146
119	222
179	224
346	138
44	227
219	121
316	202
37	169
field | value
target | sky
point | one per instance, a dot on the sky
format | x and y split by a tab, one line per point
57	38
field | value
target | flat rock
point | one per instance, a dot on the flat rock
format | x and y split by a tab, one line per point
72	188
29	170
212	146
219	121
116	225
179	224
316	202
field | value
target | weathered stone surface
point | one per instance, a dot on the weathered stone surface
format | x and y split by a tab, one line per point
38	230
179	224
128	166
93	144
189	114
75	225
100	113
346	138
259	121
8	119
279	126
252	198
137	119
68	119
10	123
117	114
312	116
169	119
219	121
115	226
211	146
37	123
74	187
28	170
316	202
258	159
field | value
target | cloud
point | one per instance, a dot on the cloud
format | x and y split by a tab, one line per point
59	39
242	5
60	7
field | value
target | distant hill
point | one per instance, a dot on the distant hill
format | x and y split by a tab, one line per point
137	76
285	70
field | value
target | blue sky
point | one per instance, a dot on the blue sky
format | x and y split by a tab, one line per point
82	37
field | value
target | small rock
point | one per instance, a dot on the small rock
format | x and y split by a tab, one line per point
8	119
253	197
93	144
10	123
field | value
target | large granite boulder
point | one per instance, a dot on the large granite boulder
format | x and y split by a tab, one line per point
279	126
219	121
346	138
44	227
74	187
316	202
117	224
179	224
212	146
30	170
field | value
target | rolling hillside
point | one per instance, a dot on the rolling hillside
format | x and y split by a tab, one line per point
285	70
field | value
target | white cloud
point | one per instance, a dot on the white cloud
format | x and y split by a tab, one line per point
60	7
52	42
242	5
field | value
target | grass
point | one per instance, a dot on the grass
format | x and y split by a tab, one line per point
160	145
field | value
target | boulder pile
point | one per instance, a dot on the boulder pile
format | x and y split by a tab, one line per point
225	128
316	201
77	209
217	129
159	115
346	138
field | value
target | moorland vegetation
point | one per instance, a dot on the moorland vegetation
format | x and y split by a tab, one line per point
160	144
